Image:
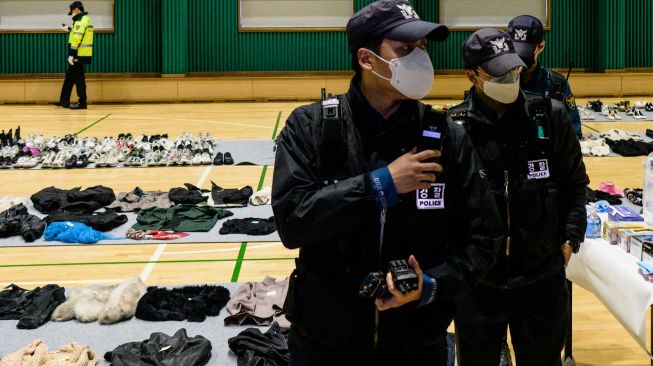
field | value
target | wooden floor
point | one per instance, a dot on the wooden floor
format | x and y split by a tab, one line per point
598	338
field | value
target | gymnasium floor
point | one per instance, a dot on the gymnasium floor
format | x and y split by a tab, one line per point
598	338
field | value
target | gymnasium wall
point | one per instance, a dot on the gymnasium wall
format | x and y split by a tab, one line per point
201	36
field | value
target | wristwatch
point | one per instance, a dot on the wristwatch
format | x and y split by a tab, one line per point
575	245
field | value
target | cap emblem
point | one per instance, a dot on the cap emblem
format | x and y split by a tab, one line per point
407	11
499	45
520	34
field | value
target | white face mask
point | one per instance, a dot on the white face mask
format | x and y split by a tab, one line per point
503	89
412	75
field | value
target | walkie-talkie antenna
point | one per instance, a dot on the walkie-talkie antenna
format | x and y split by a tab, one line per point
323	93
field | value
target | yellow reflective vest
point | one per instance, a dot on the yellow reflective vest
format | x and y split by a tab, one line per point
80	38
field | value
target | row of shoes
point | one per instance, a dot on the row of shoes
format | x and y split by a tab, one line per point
636	113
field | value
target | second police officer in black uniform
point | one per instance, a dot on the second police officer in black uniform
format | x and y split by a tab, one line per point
534	165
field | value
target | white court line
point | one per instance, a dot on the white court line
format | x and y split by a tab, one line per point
236	249
197	120
66	282
203	177
150	266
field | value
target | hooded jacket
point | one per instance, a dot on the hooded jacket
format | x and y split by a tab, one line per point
332	216
544	203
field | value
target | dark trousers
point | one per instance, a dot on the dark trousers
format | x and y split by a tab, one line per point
537	315
74	76
313	355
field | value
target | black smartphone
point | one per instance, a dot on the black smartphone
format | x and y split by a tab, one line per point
431	132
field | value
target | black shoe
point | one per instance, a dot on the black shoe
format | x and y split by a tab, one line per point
219	159
78	106
228	160
82	161
70	163
60	103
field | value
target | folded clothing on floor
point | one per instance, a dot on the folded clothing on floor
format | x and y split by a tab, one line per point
594	147
630	147
137	200
17	221
189	218
192	303
108	304
36	354
74	232
593	196
189	195
102	221
261	197
31	308
254	348
53	199
230	197
259	303
163	350
249	226
155	235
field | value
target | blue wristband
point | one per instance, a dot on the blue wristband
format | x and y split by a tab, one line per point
429	289
384	188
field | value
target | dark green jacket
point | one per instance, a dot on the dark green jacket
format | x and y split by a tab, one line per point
180	218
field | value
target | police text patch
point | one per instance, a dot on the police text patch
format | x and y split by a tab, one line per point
538	169
431	198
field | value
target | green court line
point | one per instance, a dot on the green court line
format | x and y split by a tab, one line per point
92	124
243	245
138	262
276	126
595	130
239	262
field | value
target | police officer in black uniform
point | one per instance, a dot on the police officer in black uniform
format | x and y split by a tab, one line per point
528	38
352	193
533	162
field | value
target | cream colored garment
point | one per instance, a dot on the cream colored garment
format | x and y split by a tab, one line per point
36	354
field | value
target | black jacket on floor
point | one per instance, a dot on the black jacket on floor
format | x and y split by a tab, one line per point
231	196
17	221
163	350
32	308
261	349
102	221
53	199
189	195
192	303
249	226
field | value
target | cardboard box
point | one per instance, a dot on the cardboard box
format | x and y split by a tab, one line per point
636	244
624	237
610	229
647	252
623	213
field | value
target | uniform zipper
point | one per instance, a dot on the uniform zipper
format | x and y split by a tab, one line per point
381	234
506	196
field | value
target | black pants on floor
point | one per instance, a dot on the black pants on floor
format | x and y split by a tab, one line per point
537	315
312	355
74	76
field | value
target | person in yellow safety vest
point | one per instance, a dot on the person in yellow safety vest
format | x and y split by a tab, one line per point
80	52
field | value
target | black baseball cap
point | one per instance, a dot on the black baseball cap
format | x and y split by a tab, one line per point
391	19
75	5
493	50
526	32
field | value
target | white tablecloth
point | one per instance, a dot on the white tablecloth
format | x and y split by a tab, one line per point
613	276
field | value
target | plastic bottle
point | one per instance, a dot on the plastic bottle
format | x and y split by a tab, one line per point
648	190
593	224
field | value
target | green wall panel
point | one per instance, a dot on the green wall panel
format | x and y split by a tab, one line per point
174	36
168	36
135	46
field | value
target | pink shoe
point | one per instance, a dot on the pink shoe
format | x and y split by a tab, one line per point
608	187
